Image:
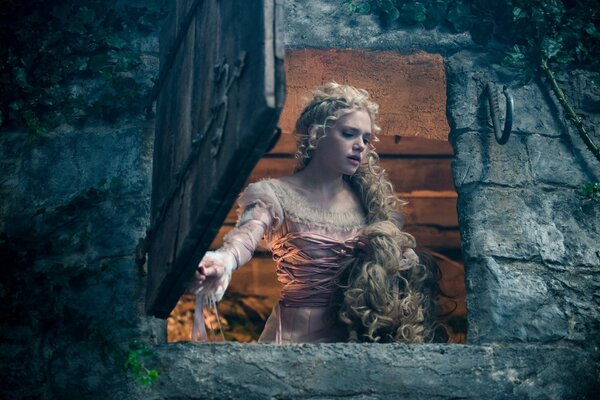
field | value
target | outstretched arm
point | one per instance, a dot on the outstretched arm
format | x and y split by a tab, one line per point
215	268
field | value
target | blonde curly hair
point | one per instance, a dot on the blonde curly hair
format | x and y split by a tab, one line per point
382	296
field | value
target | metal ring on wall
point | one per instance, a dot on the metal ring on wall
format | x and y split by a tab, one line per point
501	136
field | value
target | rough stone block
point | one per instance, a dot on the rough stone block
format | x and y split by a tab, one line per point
579	290
479	158
511	303
368	371
463	92
62	166
550	226
499	222
582	88
329	24
468	72
555	161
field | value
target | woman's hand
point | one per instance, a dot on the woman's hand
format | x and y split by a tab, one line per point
213	274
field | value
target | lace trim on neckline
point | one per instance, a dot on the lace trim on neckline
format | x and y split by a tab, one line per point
299	210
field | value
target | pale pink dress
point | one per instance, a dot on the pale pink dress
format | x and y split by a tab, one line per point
307	242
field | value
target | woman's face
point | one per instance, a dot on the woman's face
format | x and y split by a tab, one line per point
342	149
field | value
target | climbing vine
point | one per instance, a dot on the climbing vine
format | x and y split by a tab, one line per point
591	191
137	357
65	61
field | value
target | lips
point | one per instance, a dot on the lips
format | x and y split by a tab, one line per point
354	159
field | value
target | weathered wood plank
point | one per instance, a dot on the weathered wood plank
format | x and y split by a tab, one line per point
166	155
435	238
222	61
410	89
387	146
407	175
435	208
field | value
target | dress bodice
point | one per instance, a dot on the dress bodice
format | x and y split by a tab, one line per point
308	241
308	246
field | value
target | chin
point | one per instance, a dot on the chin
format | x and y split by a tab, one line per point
350	172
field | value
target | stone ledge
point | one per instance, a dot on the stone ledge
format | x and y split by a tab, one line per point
435	371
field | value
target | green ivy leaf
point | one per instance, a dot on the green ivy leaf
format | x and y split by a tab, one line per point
16	105
538	16
363	8
412	12
591	30
21	77
115	41
518	14
581	51
564	58
550	47
513	56
591	190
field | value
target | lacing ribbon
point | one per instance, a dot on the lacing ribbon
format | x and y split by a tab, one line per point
307	281
201	315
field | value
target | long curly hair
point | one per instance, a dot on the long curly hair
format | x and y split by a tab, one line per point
384	295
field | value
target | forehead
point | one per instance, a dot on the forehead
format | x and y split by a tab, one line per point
358	120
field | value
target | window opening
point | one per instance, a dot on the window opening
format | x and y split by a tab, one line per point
417	157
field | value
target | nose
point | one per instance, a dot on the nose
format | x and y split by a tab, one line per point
360	144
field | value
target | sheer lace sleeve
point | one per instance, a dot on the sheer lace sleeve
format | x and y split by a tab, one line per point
259	213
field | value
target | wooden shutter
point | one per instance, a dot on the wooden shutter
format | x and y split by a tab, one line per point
221	90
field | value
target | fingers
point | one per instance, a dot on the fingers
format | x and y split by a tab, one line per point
199	276
210	270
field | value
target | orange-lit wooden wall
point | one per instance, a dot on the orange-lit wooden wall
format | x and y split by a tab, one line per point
411	92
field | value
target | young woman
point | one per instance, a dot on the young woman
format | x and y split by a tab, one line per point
348	272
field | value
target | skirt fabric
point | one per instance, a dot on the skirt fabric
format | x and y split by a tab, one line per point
302	325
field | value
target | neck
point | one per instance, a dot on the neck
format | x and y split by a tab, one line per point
319	180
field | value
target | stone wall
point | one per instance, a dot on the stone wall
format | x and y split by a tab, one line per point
530	239
74	204
530	244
